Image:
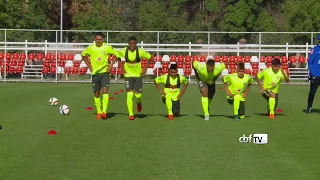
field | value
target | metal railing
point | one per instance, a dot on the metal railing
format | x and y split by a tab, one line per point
162	42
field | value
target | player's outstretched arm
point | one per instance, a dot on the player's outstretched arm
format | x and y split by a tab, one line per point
159	88
285	76
260	85
120	65
183	90
111	65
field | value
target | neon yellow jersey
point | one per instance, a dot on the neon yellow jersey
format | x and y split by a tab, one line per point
174	92
99	57
271	80
132	68
204	75
238	85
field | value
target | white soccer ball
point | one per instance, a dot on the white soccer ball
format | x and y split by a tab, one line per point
53	101
64	110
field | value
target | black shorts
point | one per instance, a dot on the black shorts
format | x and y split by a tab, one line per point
175	106
242	108
134	83
211	88
100	81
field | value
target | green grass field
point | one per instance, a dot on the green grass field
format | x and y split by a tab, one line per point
151	147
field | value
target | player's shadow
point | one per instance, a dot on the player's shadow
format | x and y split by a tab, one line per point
213	115
166	115
312	111
265	114
232	117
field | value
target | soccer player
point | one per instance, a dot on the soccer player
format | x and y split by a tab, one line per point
133	73
237	86
314	70
100	68
271	82
206	74
171	95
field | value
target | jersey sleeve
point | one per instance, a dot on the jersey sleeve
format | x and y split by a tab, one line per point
261	74
226	79
144	54
122	53
86	52
183	80
161	79
195	64
111	51
250	80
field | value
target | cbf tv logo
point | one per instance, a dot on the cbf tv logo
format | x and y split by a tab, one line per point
255	138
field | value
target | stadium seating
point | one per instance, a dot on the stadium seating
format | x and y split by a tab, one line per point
14	63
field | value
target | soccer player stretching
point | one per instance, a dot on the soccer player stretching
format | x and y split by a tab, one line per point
271	82
206	74
100	69
237	86
133	73
171	94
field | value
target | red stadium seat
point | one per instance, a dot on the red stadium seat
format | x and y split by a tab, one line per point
48	57
232	66
269	59
195	58
75	70
292	59
1	56
156	71
180	58
8	56
255	66
173	58
248	71
19	69
277	57
143	65
21	62
187	72
203	59
164	71
83	71
22	56
180	66
187	66
227	66
113	71
70	57
217	59
159	58
225	59
39	57
15	56
76	64
284	59
232	59
187	58
3	69
151	65
247	59
239	59
120	71
52	70
12	70
54	57
53	64
45	70
67	70
301	59
285	66
63	57
13	62
262	59
31	56
62	63
269	65
1	62
46	64
165	65
231	71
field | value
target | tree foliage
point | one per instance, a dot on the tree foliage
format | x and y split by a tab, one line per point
163	15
